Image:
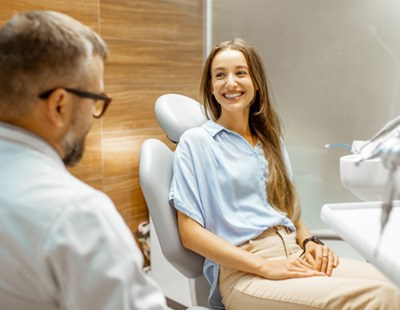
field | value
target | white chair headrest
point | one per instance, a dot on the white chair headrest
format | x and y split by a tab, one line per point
177	113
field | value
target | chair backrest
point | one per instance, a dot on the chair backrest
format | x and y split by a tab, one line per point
175	113
155	173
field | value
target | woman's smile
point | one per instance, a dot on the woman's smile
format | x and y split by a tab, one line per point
233	95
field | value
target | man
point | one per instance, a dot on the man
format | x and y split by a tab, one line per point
63	245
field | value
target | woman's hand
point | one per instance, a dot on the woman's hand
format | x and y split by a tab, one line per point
207	244
294	267
321	257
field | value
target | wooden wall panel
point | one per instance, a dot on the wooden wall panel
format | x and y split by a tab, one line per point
156	47
85	11
152	20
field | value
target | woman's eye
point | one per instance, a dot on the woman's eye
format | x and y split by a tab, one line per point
242	73
219	75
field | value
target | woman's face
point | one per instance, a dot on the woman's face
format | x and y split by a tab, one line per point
231	83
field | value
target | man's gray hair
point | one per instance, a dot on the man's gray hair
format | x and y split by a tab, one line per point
41	50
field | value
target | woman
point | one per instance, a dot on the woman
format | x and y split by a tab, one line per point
238	208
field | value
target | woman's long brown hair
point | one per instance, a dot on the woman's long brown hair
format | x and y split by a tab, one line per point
264	124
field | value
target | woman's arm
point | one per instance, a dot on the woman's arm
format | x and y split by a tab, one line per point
207	244
302	231
320	256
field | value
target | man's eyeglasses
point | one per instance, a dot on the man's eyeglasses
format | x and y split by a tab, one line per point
101	100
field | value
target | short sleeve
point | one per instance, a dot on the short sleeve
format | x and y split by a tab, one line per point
184	195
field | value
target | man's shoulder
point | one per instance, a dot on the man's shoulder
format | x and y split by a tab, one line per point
41	185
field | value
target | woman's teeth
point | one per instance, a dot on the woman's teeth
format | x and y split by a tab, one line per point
232	96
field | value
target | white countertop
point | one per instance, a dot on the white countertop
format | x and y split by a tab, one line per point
359	225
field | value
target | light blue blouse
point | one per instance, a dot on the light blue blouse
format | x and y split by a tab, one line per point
220	182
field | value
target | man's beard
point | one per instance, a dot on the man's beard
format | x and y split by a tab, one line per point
74	141
74	152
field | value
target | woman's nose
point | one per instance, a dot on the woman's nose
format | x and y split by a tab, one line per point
231	81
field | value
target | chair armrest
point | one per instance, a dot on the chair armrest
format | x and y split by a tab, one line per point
325	234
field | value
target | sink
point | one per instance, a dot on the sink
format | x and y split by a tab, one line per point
367	181
371	180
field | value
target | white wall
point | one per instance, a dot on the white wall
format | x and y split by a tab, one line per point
334	71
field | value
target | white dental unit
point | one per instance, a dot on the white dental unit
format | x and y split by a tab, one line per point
372	227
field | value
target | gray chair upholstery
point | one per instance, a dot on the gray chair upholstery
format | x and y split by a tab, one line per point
176	114
155	169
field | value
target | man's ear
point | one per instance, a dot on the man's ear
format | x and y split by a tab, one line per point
56	107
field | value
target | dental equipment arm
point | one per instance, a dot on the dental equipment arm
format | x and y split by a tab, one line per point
390	126
384	146
389	152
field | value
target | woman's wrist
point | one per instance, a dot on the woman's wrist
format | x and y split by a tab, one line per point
312	239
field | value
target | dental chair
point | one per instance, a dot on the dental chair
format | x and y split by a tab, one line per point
175	114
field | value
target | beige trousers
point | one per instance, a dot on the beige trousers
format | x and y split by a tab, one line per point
353	284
